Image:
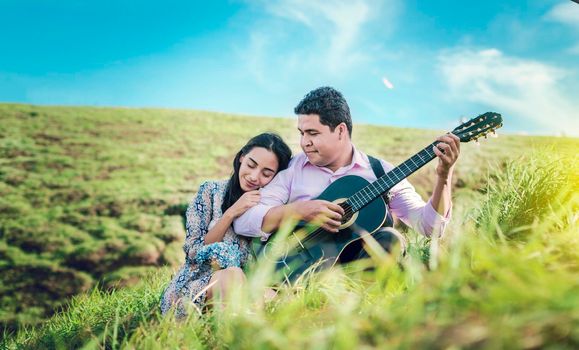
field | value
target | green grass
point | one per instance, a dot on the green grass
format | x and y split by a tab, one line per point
487	289
91	203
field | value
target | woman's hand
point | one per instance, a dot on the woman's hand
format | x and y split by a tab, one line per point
246	201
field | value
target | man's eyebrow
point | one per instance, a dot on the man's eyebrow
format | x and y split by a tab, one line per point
309	130
253	160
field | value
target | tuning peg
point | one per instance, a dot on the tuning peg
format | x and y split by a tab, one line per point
495	134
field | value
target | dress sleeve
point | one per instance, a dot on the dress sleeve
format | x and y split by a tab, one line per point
198	217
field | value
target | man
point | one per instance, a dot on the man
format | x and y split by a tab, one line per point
325	125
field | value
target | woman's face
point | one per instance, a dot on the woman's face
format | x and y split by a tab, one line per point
257	168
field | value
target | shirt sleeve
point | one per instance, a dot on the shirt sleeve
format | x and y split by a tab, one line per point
198	216
409	207
274	194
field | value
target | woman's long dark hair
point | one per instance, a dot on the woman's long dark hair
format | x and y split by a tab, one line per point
270	141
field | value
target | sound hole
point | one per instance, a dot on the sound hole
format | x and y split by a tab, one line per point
348	210
347	217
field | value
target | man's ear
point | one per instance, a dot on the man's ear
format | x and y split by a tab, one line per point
342	129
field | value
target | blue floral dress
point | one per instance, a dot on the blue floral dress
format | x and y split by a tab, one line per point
189	284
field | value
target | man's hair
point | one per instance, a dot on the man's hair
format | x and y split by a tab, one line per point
329	104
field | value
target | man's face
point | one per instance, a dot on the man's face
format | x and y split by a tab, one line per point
321	146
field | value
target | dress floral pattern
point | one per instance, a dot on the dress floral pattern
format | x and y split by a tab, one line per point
190	281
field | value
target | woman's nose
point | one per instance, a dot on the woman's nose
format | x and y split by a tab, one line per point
253	176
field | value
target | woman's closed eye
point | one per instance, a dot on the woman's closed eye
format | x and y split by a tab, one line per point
252	164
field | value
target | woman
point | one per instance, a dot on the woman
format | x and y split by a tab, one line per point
210	243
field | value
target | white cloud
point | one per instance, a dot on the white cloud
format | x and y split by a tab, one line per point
337	23
566	13
520	88
333	34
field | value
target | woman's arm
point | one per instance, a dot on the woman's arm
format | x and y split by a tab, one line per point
218	231
246	201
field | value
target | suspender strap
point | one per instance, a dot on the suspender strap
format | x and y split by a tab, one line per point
376	167
378	170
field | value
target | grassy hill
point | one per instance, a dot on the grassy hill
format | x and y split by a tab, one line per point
94	197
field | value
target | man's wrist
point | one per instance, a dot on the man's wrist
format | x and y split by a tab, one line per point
444	179
292	209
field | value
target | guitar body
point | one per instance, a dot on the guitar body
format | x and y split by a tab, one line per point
327	246
370	218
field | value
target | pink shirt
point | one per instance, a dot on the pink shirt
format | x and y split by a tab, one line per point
303	181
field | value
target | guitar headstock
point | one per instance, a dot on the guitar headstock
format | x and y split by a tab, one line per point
478	127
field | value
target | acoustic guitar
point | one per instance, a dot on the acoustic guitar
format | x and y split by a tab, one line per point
298	248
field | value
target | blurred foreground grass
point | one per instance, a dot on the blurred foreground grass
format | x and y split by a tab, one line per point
100	201
489	286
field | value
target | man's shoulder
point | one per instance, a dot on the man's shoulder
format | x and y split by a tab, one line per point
297	162
366	157
385	164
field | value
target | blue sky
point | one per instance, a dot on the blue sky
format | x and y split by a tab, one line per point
443	59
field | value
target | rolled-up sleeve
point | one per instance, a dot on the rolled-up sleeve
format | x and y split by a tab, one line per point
409	207
276	193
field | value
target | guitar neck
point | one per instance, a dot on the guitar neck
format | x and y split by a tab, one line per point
382	185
